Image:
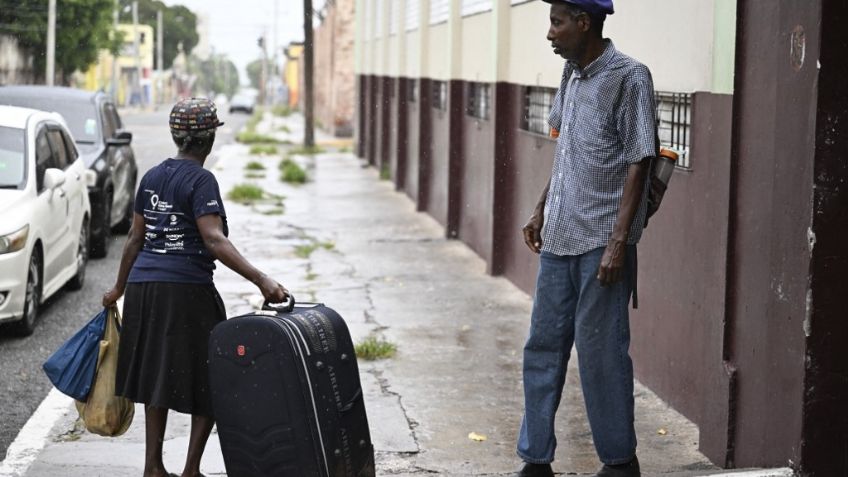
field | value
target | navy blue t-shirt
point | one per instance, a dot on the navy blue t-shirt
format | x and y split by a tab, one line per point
171	196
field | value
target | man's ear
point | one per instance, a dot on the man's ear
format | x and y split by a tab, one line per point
584	22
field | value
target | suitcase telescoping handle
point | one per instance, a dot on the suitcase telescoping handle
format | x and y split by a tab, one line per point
285	307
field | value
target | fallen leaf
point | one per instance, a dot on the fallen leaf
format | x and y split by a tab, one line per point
476	437
662	431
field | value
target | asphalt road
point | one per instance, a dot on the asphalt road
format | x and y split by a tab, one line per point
22	383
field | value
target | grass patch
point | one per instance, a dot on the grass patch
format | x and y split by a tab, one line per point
305	250
311	276
263	149
306	151
245	193
345	149
373	348
255	166
291	172
251	137
254	120
328	245
274	211
284	129
281	111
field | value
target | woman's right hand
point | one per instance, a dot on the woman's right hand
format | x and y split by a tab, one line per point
271	290
111	297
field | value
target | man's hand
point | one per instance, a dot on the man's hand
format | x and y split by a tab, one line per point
612	262
111	297
533	232
271	290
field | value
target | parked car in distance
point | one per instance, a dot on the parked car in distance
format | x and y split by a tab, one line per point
243	102
44	213
104	146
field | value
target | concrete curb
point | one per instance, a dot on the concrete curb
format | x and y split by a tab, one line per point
34	435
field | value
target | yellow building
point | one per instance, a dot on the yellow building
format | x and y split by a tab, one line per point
291	72
132	87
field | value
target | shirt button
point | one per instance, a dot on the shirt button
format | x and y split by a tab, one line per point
566	129
560	175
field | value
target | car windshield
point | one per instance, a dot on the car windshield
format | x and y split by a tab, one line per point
11	158
80	116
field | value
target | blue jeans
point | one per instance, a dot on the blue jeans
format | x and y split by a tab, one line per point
571	307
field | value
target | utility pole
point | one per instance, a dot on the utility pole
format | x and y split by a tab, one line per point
114	85
137	47
160	57
308	67
51	43
263	79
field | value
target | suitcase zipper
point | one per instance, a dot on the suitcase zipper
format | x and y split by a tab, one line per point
285	326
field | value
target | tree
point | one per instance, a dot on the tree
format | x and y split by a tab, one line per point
83	28
216	75
254	73
179	22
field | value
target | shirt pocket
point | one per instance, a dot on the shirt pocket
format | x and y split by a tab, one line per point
596	136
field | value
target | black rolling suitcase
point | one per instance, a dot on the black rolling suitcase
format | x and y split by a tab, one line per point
287	397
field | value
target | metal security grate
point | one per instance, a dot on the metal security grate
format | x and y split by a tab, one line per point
479	100
537	107
412	91
674	120
440	95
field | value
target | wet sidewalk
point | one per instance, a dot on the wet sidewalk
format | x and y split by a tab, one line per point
348	239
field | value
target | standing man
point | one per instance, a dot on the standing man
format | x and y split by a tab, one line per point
586	226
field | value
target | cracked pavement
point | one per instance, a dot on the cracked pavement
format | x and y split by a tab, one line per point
391	273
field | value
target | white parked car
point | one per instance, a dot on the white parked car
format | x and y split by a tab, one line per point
44	213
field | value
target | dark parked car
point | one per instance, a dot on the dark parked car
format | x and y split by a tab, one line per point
104	146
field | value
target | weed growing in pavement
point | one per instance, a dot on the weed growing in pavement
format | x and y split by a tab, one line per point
250	137
274	211
254	175
255	166
284	129
373	348
281	110
385	172
311	276
263	149
291	172
254	120
306	151
305	250
246	193
328	245
345	149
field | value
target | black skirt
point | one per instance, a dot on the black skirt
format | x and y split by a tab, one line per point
162	359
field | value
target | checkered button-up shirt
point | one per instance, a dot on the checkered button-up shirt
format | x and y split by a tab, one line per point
606	119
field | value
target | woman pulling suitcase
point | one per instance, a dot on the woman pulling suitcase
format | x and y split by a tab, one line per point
171	305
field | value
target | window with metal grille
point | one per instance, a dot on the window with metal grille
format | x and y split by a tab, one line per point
440	95
412	91
674	120
537	107
479	100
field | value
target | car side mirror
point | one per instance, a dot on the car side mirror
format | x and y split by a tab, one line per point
53	178
121	138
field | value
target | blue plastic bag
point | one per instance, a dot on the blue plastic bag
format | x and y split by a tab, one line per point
71	368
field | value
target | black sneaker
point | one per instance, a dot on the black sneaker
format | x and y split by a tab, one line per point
630	469
535	470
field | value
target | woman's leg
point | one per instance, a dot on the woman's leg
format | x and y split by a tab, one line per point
155	419
201	427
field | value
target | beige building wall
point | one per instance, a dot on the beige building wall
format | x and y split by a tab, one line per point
688	44
478	49
438	59
334	76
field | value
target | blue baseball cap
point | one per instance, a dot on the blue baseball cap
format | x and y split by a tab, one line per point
592	7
